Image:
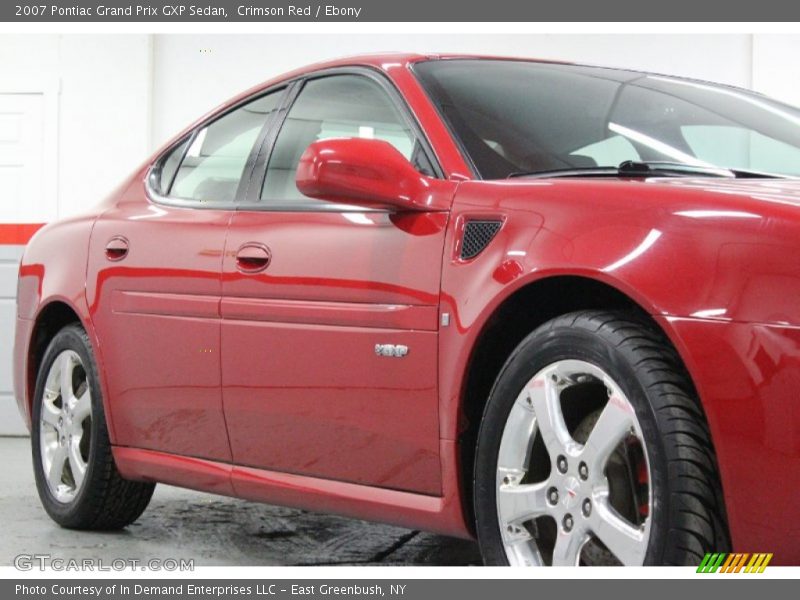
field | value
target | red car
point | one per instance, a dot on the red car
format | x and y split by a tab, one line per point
550	306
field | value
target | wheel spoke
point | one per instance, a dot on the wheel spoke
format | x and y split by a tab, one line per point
627	542
76	463
50	414
524	549
82	407
567	551
519	503
544	395
62	426
613	425
515	447
56	470
66	365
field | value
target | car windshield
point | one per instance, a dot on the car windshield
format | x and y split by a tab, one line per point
513	117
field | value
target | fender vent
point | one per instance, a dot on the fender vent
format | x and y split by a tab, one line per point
477	235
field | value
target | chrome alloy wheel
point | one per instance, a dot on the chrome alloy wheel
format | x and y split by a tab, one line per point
594	504
65	426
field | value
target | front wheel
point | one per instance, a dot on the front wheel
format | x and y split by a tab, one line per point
76	477
593	450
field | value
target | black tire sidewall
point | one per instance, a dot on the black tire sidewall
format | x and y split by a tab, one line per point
72	338
542	348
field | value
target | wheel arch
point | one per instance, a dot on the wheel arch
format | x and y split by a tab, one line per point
517	315
52	316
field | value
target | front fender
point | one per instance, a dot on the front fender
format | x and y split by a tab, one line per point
52	271
686	248
717	270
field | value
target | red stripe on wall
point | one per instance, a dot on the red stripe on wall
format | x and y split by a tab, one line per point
18	234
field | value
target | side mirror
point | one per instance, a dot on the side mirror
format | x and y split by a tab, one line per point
366	172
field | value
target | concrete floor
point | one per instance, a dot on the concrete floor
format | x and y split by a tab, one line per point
213	530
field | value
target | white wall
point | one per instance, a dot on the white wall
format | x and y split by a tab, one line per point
776	69
10	421
103	85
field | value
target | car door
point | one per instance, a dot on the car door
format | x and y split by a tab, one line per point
310	289
154	286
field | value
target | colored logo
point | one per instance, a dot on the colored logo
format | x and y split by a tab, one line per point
723	562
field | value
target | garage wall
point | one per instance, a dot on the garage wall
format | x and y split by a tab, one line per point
102	82
10	422
776	71
107	101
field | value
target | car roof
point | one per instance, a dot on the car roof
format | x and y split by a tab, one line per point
384	61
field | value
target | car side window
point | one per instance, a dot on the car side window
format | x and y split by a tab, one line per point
334	107
169	166
211	167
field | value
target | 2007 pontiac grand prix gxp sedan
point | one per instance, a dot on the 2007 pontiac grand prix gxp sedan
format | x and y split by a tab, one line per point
554	307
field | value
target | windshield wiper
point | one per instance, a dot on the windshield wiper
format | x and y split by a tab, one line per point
653	168
569	172
650	167
659	167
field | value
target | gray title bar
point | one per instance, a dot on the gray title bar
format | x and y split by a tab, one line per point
396	10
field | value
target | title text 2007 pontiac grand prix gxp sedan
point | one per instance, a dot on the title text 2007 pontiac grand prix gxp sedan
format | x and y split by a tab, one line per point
551	306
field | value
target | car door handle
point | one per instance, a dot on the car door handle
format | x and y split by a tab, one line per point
253	257
117	248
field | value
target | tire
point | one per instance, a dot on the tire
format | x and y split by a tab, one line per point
656	500
86	491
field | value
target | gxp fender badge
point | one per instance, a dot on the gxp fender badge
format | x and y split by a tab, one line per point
392	350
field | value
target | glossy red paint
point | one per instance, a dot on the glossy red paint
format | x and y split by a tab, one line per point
701	256
265	385
748	376
298	346
23	334
158	311
369	173
184	471
434	513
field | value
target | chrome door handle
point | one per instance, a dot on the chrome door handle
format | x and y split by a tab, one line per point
117	248
253	257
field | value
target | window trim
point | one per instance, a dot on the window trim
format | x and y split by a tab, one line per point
251	200
154	174
445	120
153	193
258	158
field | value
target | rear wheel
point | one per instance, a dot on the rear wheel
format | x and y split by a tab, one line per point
76	477
593	450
